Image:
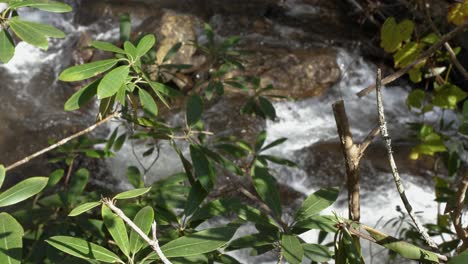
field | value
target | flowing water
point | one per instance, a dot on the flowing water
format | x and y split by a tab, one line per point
32	110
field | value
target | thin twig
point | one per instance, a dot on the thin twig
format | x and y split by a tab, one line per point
455	215
369	138
69	171
152	242
62	142
392	77
453	56
396	175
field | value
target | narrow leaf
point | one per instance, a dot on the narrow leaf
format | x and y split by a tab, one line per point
2	175
88	70
148	102
46	5
7	46
204	170
22	191
317	253
291	249
145	44
199	243
132	193
55	177
116	227
194	109
143	219
112	81
11	239
267	189
317	202
260	140
27	32
83	249
106	46
84	95
77	185
83	208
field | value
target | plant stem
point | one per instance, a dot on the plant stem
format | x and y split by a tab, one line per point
61	142
392	77
152	242
396	175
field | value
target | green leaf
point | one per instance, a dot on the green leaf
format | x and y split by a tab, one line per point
106	46
119	142
430	39
145	44
403	248
2	174
260	140
407	54
174	49
11	239
274	143
267	189
45	5
204	170
143	219
125	26
325	223
83	208
148	102
55	177
251	241
196	196
116	227
199	243
406	28
112	81
415	99
84	95
134	177
291	249
22	191
111	140
7	46
390	40
164	89
279	160
28	32
77	184
130	50
209	33
267	107
132	193
460	259
449	96
317	253
317	202
83	249
194	109
88	70
415	74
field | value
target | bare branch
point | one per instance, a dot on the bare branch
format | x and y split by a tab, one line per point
61	142
447	46
392	77
369	138
396	175
455	214
152	242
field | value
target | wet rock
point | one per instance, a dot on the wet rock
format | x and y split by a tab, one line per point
296	73
324	163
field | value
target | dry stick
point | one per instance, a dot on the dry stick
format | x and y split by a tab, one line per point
453	56
352	153
462	233
61	142
396	175
392	77
152	242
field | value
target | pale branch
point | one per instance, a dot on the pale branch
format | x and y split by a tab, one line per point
455	214
396	175
453	56
154	244
62	142
392	77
